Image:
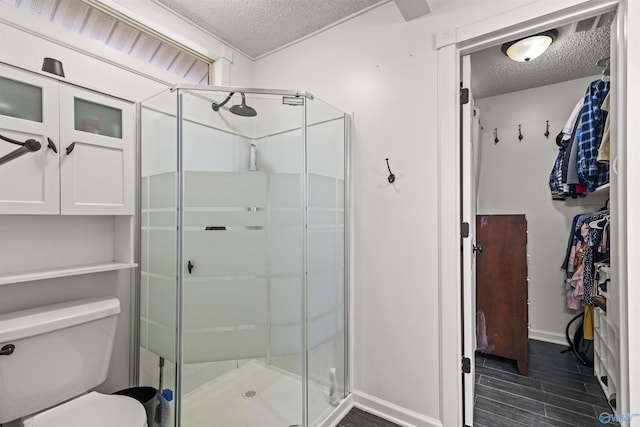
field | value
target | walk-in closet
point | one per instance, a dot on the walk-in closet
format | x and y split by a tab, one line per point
545	233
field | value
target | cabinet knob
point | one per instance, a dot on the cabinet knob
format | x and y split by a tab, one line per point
70	148
51	145
189	266
478	249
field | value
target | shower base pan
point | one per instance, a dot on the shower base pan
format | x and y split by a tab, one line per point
254	395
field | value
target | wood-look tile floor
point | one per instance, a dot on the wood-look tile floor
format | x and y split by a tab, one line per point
559	391
359	418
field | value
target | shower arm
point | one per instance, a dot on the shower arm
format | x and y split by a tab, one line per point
216	107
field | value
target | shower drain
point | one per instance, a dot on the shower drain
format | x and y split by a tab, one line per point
250	394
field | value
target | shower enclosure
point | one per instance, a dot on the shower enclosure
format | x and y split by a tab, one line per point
243	209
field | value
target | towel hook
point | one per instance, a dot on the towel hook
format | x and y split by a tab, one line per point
520	137
391	177
495	136
546	132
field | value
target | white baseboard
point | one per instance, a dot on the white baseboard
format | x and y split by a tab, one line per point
381	408
551	337
392	412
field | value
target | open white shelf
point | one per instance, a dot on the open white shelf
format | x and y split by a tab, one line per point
51	273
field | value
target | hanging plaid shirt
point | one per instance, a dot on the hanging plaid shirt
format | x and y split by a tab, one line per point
555	178
591	172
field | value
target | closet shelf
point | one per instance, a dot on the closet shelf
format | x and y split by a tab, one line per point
52	273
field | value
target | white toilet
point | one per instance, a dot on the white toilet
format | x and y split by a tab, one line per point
50	357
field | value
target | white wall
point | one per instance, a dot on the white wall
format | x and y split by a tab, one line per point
514	179
383	70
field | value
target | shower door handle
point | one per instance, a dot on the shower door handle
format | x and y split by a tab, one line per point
189	266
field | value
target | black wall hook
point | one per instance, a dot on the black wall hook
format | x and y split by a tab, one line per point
520	137
391	177
495	136
546	132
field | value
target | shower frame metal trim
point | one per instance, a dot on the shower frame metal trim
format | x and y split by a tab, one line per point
255	91
305	265
179	263
347	256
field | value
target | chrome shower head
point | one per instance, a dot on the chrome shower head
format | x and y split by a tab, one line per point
241	110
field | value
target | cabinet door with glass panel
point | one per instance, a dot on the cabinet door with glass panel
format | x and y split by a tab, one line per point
29	178
97	153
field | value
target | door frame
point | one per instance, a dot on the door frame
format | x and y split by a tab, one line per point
451	45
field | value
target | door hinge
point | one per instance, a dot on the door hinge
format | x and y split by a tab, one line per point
466	365
464	96
464	229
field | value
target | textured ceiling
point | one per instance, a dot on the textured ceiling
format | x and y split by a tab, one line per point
574	54
257	27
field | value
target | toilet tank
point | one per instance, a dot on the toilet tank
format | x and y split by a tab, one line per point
59	352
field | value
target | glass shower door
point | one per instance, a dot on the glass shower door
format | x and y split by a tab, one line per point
242	263
325	302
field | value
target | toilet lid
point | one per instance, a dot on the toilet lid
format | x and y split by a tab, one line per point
92	410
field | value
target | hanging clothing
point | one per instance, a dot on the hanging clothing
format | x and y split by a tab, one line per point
592	173
587	323
603	151
577	169
596	250
589	246
570	126
555	178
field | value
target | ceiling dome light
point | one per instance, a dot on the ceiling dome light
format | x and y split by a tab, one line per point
528	48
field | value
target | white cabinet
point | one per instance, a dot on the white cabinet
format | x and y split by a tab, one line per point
29	110
92	171
96	154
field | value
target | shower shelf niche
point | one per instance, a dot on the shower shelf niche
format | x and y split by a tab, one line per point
52	273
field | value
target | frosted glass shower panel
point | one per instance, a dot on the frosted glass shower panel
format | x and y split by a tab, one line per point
233	303
224	344
285	190
226	320
158	219
160	295
246	190
322	192
325	249
223	253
